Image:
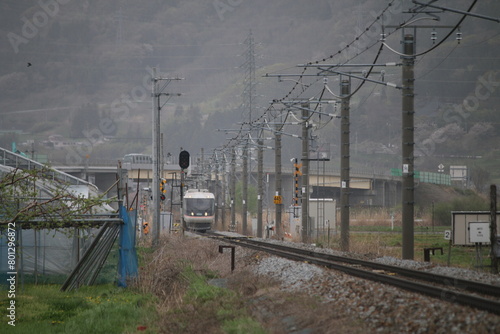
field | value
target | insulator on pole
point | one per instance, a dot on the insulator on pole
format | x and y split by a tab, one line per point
459	36
433	36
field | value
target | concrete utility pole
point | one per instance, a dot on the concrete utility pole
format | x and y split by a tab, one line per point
217	192
277	166
260	187
244	190
157	92
156	161
306	228
408	143
345	91
493	229
232	190
224	195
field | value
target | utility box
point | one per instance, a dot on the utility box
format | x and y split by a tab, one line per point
479	232
166	221
323	213
471	227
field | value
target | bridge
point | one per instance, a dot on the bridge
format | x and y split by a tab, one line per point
368	187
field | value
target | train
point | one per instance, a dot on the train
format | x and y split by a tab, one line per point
198	210
137	158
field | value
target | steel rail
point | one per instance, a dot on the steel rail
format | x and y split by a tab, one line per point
471	286
330	261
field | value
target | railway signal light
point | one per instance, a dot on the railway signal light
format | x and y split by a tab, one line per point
163	189
184	159
296	173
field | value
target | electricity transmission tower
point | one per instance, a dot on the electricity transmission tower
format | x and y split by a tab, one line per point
249	96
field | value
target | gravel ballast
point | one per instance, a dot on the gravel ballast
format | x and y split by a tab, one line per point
382	308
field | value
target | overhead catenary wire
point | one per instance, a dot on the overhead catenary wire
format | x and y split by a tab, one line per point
299	82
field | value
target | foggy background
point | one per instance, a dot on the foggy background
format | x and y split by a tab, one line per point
74	78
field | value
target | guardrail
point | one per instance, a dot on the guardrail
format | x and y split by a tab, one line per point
14	160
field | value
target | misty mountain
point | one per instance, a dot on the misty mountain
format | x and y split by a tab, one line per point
91	61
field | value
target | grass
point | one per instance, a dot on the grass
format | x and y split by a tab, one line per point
382	241
178	273
219	308
97	309
173	289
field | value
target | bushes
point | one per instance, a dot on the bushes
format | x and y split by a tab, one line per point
442	211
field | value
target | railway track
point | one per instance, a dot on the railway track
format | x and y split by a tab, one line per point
465	292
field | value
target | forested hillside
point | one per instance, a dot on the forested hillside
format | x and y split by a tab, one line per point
69	67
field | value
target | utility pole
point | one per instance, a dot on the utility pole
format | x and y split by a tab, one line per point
306	228
408	182
493	229
157	92
345	91
325	71
260	181
156	161
408	143
224	195
232	190
277	166
244	190
217	192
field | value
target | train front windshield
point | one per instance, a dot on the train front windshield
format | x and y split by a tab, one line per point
199	207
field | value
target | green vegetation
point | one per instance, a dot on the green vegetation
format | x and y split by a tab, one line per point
219	307
188	278
442	211
97	309
251	201
389	244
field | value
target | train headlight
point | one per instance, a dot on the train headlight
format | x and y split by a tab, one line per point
192	213
206	214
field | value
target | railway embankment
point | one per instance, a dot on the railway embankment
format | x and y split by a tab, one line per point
270	294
